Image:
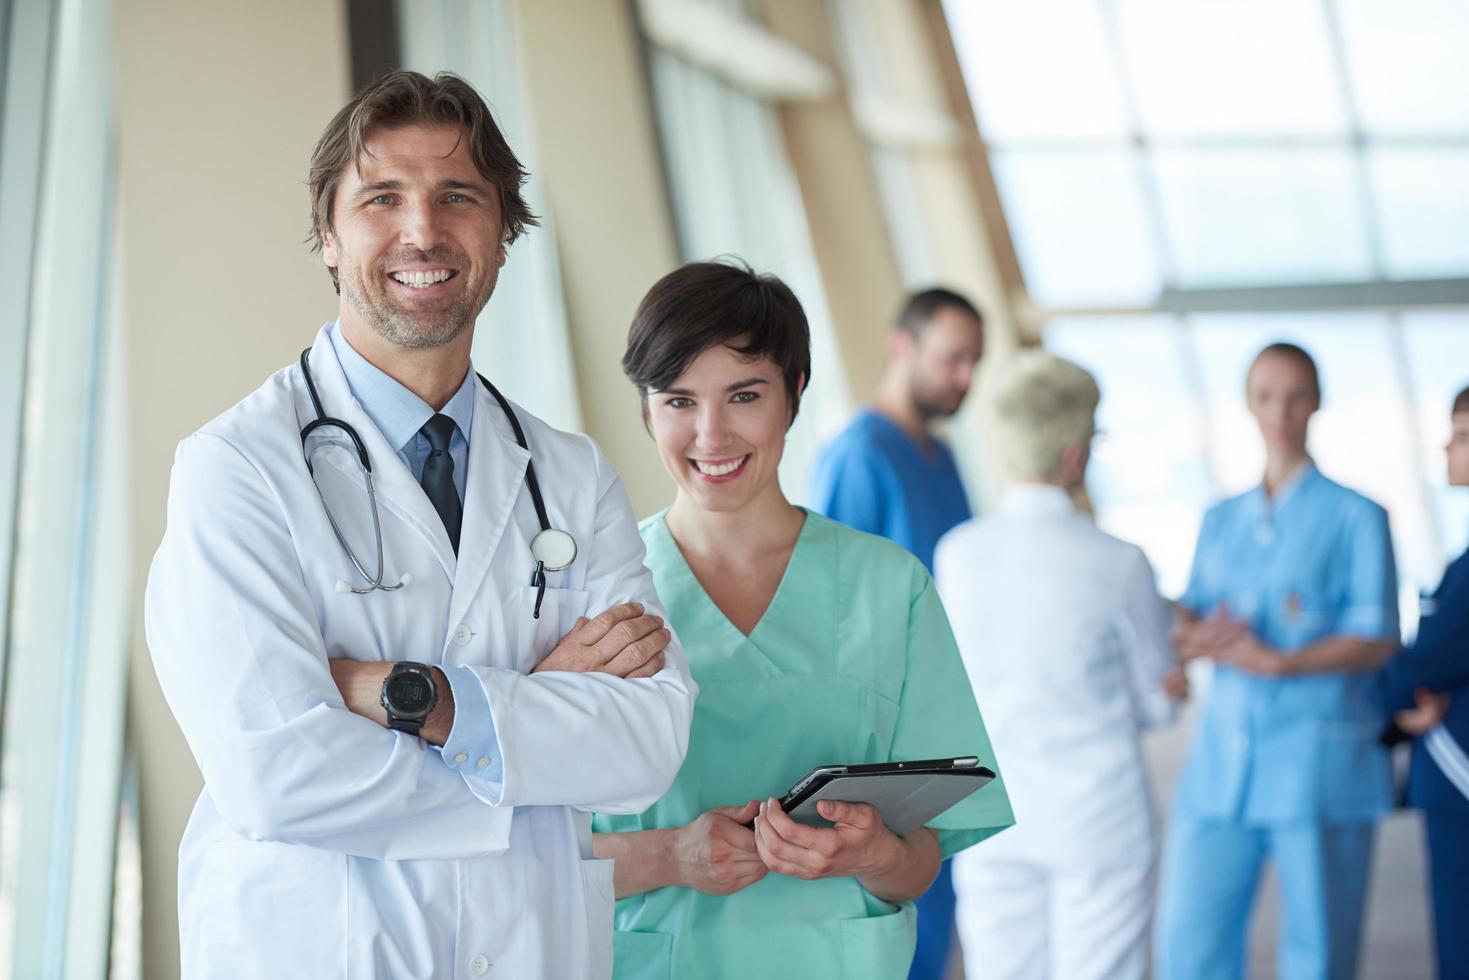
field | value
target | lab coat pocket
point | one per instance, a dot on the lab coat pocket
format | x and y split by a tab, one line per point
264	903
879	945
559	610
642	956
597	890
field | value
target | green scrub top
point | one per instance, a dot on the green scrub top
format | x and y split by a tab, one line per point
853	662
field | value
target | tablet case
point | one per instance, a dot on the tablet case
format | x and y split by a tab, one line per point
907	794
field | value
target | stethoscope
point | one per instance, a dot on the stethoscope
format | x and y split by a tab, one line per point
552	549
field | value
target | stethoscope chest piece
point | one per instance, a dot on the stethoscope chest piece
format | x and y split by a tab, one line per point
554	549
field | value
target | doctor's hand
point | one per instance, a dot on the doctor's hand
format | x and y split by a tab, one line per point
623	641
715	854
1175	684
893	868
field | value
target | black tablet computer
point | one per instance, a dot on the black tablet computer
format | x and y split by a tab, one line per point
907	794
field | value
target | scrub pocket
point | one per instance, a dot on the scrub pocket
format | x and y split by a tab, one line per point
642	956
880	945
598	896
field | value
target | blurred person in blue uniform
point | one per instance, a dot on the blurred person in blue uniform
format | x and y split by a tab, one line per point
1067	641
1426	685
887	474
1293	596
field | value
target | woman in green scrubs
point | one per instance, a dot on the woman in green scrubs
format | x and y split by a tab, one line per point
812	644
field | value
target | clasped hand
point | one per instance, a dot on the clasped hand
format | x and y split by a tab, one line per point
1224	639
718	854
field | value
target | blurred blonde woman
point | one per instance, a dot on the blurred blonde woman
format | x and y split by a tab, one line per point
1065	626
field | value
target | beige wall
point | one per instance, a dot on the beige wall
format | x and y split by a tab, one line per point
220	103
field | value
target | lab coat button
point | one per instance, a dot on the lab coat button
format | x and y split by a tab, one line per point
462	757
480	965
482	762
462	634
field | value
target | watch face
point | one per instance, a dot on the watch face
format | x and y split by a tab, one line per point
409	694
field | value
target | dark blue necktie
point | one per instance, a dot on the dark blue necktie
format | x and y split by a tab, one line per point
438	476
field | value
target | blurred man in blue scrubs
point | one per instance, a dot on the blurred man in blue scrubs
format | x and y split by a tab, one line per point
887	474
1293	595
1427	686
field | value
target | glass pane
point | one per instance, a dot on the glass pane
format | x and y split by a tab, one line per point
1079	226
1422	199
1255	217
1148	479
1408	63
1358	437
1437	343
1203	67
1037	71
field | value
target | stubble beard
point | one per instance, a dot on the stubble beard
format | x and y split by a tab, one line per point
928	406
411	329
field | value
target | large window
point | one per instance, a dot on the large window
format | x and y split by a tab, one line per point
64	606
1187	180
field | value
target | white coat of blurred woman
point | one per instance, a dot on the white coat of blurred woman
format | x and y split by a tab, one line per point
1065	625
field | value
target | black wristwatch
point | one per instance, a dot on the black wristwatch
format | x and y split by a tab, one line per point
409	695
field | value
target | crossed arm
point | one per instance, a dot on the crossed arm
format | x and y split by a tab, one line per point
624	641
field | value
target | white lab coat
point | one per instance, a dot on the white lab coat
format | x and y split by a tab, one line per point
1066	642
324	845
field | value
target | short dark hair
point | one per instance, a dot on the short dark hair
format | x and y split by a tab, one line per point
918	312
1296	353
1461	402
403	98
702	304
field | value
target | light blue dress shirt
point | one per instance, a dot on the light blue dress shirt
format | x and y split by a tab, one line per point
399	414
1316	561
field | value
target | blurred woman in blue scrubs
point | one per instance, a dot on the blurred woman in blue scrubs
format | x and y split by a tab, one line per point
1293	596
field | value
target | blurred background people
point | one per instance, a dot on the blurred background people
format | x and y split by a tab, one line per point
887	473
1426	685
1293	596
813	645
1066	639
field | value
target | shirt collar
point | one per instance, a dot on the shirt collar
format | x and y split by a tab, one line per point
1035	499
397	412
1266	506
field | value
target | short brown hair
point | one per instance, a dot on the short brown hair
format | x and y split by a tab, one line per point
702	304
1296	353
403	98
1461	402
920	308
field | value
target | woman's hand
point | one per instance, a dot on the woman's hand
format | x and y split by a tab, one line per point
1423	718
857	845
716	853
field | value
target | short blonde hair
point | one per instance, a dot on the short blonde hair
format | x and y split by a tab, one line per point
1040	404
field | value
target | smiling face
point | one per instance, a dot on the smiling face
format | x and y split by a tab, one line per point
720	428
417	241
1282	396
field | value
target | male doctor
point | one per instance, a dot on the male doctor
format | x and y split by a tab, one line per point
397	779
